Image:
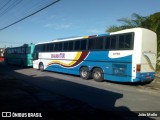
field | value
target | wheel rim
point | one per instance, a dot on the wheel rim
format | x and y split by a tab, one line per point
41	67
84	73
97	75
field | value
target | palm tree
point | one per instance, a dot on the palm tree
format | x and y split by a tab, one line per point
136	20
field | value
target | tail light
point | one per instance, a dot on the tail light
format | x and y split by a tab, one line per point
138	68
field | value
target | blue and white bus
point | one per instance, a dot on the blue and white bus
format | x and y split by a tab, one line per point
124	56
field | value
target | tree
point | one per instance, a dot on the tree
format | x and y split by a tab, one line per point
117	28
136	20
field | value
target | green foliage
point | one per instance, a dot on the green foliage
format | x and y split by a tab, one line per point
135	21
117	28
153	22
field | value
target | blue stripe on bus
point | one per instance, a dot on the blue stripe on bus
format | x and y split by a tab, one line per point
117	69
106	34
103	56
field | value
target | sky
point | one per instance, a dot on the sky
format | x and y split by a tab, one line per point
68	18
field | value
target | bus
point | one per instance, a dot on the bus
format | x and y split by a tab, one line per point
124	56
21	55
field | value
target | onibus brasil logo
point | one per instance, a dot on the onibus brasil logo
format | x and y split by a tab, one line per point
14	114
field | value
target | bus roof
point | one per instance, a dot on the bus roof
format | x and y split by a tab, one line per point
91	36
130	30
73	38
24	45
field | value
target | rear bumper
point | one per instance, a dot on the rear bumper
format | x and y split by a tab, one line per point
144	77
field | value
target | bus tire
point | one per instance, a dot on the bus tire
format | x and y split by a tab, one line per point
41	66
85	73
98	75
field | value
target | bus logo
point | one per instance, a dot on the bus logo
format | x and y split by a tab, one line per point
58	55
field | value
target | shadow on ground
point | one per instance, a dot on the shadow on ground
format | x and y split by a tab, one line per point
58	99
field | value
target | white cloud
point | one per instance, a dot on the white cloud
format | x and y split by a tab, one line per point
63	26
57	26
48	25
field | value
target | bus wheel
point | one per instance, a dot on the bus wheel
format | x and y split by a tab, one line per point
41	67
98	75
85	73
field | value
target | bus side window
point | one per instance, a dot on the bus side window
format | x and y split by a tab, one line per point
43	48
107	43
113	42
28	50
20	50
127	43
60	46
121	41
51	47
77	45
91	43
99	43
56	46
47	48
11	51
65	46
15	51
83	44
23	50
70	45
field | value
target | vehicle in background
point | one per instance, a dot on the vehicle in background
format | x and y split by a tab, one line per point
2	54
21	55
124	56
